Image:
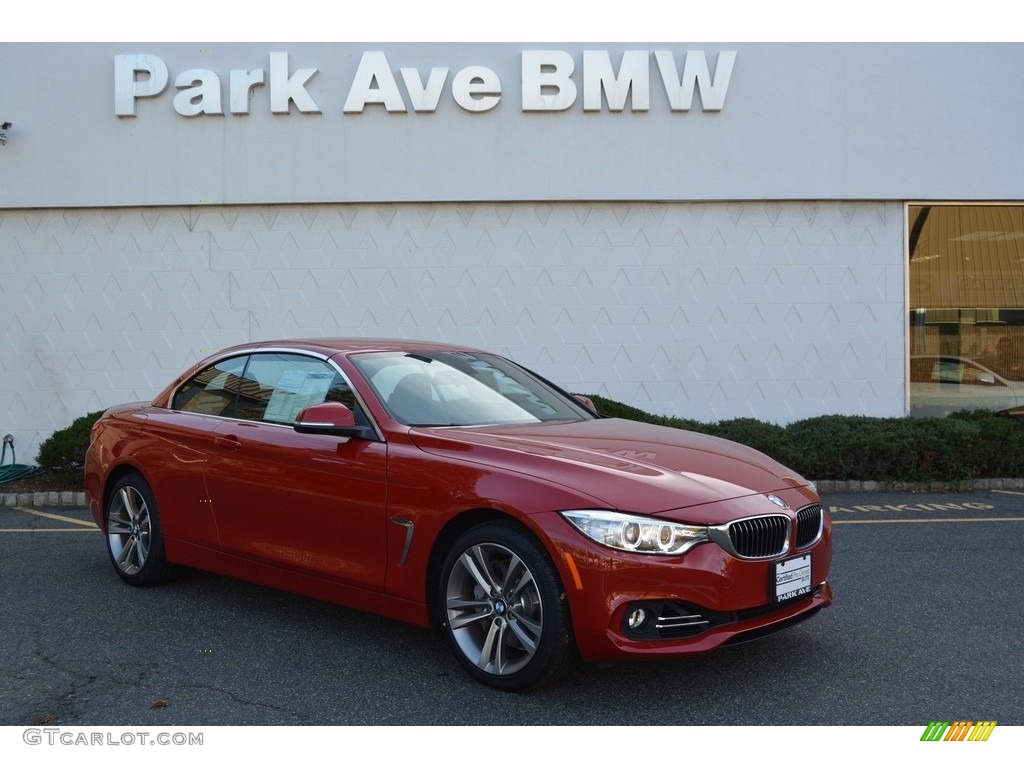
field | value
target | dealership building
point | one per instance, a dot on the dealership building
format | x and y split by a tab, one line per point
709	230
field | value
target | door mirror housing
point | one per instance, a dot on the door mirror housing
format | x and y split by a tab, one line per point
335	419
586	402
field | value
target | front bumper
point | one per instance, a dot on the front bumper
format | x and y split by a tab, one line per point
700	601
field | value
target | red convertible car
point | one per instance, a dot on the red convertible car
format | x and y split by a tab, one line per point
442	485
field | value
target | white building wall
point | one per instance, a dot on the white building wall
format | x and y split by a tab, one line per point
821	121
777	310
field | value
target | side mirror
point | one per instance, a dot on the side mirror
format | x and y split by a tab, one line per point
586	402
986	378
334	419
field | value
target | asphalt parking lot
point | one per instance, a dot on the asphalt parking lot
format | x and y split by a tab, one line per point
927	625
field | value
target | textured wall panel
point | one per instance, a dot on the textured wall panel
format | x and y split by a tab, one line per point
712	310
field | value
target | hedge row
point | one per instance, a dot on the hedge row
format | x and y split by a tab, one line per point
964	446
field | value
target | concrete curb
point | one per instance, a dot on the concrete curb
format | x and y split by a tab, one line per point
43	499
77	498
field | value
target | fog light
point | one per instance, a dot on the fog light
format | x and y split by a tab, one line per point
637	618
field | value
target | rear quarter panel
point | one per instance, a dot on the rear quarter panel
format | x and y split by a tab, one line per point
168	450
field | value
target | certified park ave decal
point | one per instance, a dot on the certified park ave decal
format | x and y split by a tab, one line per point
792	578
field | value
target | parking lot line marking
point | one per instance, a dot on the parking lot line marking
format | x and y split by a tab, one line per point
87	523
1012	493
935	520
48	530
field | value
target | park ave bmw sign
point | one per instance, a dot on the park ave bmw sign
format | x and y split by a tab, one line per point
549	82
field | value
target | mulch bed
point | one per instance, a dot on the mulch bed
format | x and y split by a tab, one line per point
47	480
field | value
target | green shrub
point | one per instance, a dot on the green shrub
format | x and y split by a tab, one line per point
64	450
943	449
762	435
999	449
963	446
615	409
833	447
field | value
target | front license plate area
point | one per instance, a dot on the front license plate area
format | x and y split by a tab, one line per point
791	578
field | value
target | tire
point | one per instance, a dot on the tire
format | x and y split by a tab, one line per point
134	534
504	609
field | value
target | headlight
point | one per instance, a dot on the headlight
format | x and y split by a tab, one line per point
632	533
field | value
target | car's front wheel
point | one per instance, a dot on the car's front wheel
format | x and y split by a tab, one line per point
135	534
504	608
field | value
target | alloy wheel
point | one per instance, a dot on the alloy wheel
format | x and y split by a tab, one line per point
494	609
129	528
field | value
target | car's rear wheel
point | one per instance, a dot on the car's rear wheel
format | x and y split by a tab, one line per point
134	533
504	608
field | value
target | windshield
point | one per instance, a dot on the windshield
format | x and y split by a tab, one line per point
462	389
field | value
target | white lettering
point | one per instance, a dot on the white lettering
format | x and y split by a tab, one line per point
242	83
128	87
373	68
199	93
695	74
547	81
633	77
424	98
476	89
548	84
285	89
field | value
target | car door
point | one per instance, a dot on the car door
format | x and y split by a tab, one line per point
308	503
181	441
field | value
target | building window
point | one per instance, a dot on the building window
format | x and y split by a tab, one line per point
966	275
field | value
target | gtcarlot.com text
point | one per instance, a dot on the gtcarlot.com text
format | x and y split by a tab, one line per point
75	738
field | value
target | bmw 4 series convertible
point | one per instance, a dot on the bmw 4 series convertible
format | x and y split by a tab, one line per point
446	486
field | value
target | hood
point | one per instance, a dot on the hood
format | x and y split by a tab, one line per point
627	465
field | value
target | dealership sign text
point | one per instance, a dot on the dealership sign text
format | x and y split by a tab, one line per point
549	82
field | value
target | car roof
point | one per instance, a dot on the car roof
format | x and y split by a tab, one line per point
327	347
333	345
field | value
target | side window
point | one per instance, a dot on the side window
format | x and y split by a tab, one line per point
948	371
278	386
214	390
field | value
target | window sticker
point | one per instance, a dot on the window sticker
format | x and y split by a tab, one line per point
297	389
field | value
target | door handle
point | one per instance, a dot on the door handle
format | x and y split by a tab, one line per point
230	442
